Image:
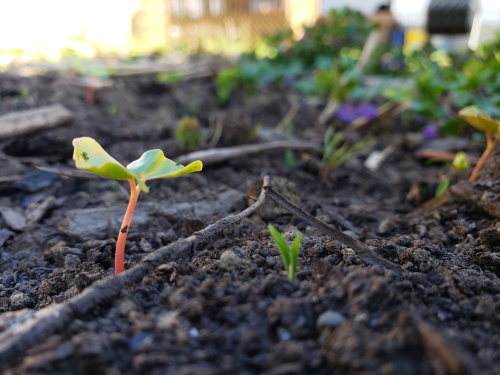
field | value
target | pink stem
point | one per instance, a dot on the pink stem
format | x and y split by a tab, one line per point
122	236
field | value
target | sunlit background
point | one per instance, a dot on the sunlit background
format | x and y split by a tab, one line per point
33	29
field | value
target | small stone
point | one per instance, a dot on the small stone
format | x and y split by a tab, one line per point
13	218
385	226
71	261
145	245
169	320
5	234
229	261
193	332
283	334
270	261
421	230
167	237
329	319
17	301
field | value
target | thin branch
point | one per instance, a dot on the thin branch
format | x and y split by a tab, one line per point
363	252
71	172
45	322
216	155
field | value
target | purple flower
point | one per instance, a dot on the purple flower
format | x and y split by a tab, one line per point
347	113
367	110
430	131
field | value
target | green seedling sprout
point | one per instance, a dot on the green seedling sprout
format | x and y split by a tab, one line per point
491	127
188	132
460	162
443	186
335	156
288	255
90	156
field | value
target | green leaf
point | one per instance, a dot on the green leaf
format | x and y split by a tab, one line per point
153	164
294	255
281	245
443	186
480	119
90	156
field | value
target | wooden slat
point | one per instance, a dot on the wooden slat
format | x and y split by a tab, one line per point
22	122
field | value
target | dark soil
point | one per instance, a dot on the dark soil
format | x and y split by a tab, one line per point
230	309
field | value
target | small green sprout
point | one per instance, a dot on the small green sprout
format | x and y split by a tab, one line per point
491	127
90	156
288	255
188	132
461	162
443	186
335	156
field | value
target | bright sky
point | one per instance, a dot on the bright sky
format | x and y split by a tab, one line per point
48	23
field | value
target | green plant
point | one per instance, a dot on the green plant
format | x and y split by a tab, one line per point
288	255
460	162
90	156
188	132
443	186
491	127
335	156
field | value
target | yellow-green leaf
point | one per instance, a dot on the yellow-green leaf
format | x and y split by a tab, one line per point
90	156
153	164
480	119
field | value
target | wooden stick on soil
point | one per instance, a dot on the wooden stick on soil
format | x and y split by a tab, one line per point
15	340
363	252
217	155
27	121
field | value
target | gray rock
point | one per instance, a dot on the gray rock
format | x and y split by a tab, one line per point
329	319
229	261
145	245
36	211
13	218
5	234
71	261
92	223
225	201
17	301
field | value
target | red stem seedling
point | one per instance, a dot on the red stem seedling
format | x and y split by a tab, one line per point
491	127
90	156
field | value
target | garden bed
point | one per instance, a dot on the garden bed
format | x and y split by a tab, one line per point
199	313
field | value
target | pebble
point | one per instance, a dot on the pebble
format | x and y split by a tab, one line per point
17	301
145	245
193	332
71	261
229	261
13	218
329	319
5	234
283	334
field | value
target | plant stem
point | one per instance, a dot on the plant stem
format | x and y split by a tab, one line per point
490	146
122	236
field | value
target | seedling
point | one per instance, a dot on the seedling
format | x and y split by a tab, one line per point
90	156
188	132
443	186
288	255
335	156
491	127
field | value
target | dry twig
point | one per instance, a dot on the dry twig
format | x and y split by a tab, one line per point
217	155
